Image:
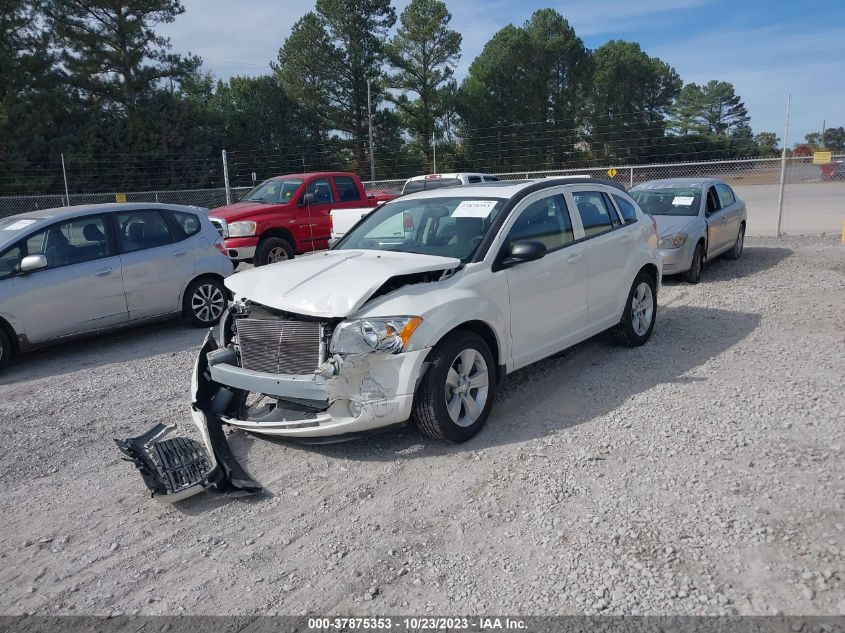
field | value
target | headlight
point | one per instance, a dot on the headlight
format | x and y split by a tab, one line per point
389	334
675	240
242	229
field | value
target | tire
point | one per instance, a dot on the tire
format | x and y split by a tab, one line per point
445	388
6	350
693	275
739	244
205	301
627	332
271	250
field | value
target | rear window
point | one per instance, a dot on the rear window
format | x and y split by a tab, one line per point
413	186
347	190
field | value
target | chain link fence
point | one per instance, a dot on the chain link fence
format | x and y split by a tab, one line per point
756	180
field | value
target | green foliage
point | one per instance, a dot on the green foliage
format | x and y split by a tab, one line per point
767	142
834	139
713	108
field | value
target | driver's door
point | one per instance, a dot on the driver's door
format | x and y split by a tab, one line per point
714	216
315	224
548	297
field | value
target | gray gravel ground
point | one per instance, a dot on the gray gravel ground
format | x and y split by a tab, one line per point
701	473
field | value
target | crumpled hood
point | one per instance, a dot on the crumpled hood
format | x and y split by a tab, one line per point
239	210
333	284
667	224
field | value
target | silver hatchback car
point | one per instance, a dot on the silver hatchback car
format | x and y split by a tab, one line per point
79	270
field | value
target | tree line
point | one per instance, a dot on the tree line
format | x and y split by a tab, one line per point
95	81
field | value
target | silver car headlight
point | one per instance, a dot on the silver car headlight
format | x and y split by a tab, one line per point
361	336
673	240
242	229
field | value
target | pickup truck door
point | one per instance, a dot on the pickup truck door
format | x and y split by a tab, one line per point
314	220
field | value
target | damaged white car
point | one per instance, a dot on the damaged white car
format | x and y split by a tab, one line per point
416	314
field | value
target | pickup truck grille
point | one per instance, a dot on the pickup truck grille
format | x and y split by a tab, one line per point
279	346
220	225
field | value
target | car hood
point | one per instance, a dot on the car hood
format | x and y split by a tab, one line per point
240	210
667	224
332	284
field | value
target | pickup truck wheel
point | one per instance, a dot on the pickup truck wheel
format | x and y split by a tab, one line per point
271	250
204	301
5	349
456	394
640	312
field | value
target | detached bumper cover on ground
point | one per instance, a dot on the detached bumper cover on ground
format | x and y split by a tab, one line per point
177	468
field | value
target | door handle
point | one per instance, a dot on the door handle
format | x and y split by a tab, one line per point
182	254
626	238
574	258
103	272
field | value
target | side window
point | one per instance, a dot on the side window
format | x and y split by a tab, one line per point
595	216
9	262
629	212
726	196
73	242
713	204
614	217
347	190
322	191
474	179
546	220
139	230
490	179
186	224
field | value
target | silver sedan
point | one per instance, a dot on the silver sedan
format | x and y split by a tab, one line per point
697	219
79	270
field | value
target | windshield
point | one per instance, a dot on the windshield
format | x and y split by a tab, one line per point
449	227
413	186
669	201
274	190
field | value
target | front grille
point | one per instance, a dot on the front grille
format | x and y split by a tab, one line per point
279	346
219	225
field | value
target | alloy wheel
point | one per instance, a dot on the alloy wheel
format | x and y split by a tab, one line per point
277	254
467	387
740	242
208	303
642	309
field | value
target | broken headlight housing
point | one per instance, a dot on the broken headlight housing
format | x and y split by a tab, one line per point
673	240
361	336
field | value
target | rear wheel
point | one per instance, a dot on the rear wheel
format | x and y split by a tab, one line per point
736	251
456	394
204	301
5	349
271	250
640	312
693	275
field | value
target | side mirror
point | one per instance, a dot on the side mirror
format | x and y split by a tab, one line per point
524	251
33	263
308	198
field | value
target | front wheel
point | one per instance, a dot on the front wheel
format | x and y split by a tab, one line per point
456	394
272	250
204	301
736	251
693	275
640	312
5	349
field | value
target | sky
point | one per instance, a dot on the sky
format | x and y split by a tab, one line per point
766	48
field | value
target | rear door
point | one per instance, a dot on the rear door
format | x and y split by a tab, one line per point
80	290
606	238
315	224
156	267
548	297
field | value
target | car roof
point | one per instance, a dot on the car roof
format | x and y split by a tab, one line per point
456	174
312	174
663	183
506	188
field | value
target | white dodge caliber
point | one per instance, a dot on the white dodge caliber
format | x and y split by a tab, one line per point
421	310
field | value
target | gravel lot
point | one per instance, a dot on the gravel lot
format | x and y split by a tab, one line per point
701	473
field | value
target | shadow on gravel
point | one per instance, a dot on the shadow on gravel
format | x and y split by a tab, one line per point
568	389
94	351
754	259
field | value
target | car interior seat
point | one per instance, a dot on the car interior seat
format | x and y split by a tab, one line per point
322	194
58	250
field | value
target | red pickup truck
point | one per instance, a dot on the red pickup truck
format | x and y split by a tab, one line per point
289	215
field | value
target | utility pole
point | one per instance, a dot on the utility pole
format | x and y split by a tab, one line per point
821	140
64	175
433	155
783	164
226	178
370	125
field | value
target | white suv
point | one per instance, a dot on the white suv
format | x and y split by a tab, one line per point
420	311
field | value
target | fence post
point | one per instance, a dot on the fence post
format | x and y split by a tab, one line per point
226	178
783	165
631	181
64	175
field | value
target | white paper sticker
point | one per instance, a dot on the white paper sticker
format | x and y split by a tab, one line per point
474	209
20	224
682	201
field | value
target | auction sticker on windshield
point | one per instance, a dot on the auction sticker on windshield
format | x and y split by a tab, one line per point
682	201
474	209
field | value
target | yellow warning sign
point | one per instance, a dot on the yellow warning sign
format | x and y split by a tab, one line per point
612	172
120	197
822	158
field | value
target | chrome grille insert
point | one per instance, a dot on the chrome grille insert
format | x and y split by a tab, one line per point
277	346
